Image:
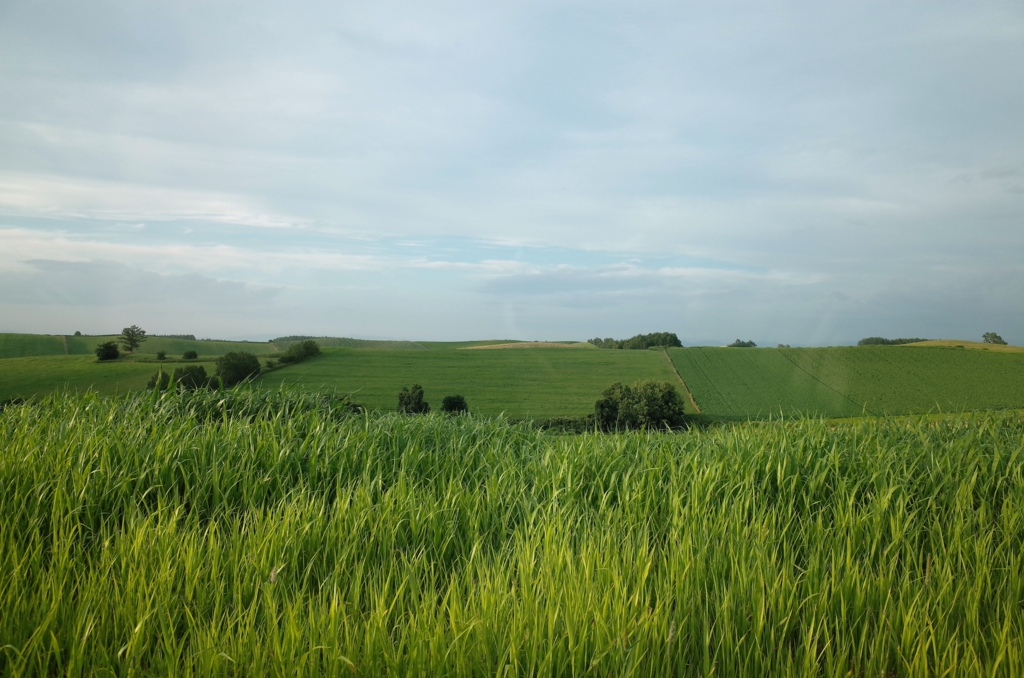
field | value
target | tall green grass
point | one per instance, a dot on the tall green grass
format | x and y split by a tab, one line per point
138	537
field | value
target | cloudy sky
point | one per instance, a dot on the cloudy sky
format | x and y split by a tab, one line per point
800	172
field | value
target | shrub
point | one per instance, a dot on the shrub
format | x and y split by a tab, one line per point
187	378
410	401
645	404
882	341
78	333
235	367
303	350
189	355
161	355
454	404
107	351
742	344
270	364
993	338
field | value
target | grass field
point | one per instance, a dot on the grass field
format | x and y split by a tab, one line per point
26	377
849	381
22	345
140	538
538	382
977	345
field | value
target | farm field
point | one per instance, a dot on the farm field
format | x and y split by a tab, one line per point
138	538
849	381
23	345
536	382
26	377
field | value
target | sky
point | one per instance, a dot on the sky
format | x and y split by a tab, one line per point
787	172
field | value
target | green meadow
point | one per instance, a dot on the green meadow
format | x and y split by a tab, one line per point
23	345
247	533
532	382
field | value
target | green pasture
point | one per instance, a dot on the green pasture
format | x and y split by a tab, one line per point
849	381
27	377
535	382
263	534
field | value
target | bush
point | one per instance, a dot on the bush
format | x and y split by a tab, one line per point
644	405
161	355
454	404
235	367
189	355
270	364
993	338
742	344
187	378
303	350
410	401
882	341
107	351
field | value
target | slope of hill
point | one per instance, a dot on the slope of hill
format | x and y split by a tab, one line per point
23	345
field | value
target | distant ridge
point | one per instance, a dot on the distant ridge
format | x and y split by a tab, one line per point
346	342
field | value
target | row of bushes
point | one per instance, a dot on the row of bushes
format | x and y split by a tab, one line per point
882	341
640	341
410	401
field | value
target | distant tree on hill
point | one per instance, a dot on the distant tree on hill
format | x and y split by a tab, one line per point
410	400
107	351
742	344
454	404
645	404
235	367
189	355
161	355
993	338
78	333
639	342
188	378
132	337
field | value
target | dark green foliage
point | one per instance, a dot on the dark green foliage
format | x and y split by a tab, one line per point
993	338
645	404
303	350
639	342
107	351
189	355
270	364
742	344
454	404
161	355
132	337
881	341
175	336
235	367
187	378
583	424
410	401
77	333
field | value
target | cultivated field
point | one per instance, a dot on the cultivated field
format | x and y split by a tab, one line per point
213	535
849	381
536	382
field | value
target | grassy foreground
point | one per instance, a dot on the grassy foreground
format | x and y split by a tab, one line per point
255	533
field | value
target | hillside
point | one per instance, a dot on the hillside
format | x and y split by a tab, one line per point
23	345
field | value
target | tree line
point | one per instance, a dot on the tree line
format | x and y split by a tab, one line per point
639	342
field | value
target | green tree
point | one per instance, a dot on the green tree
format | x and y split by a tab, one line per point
454	404
132	337
993	338
303	350
189	355
644	405
410	400
107	351
235	367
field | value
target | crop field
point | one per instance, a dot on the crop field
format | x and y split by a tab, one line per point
26	377
211	535
849	381
536	382
21	345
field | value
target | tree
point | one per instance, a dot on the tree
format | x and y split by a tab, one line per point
645	404
189	355
188	378
410	401
303	350
161	355
132	337
235	367
78	333
454	404
742	344
107	351
993	338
